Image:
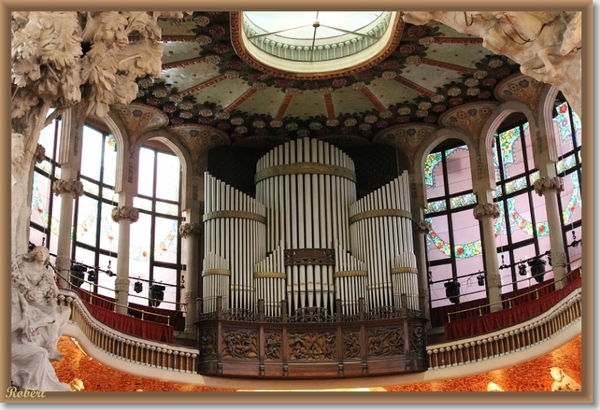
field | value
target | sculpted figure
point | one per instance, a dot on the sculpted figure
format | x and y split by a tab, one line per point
36	323
562	382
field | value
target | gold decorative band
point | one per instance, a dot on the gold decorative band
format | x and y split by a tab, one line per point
304	168
348	273
276	275
216	272
404	269
380	212
234	214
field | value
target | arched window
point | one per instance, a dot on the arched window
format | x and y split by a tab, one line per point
155	255
567	129
454	248
95	234
45	206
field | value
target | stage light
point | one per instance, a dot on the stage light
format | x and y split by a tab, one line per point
453	291
138	287
91	276
77	275
157	294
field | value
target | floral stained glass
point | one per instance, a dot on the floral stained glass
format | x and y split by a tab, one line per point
463	200
432	161
507	148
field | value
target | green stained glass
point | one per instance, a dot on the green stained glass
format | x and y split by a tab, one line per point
516	185
574	201
463	200
432	161
565	164
435	206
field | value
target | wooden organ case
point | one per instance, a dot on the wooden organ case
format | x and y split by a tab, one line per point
306	281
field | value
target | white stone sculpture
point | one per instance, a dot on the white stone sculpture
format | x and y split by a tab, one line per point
37	322
563	382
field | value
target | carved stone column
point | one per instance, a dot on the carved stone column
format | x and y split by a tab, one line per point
124	216
69	190
422	228
550	187
486	213
191	232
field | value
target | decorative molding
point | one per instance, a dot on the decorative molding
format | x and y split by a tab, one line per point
125	212
274	275
234	214
297	168
380	213
349	273
404	269
423	227
40	153
315	256
190	228
544	184
487	209
225	272
558	259
122	284
71	187
493	280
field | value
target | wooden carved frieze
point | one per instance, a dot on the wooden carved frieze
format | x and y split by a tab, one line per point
417	338
208	343
240	345
315	256
312	346
272	346
385	342
351	345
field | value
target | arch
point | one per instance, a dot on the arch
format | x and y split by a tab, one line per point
178	148
546	112
425	148
488	133
119	132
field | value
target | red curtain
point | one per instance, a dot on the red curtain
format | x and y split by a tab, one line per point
101	307
519	312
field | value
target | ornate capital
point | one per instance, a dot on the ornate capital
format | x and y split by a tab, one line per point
493	280
63	263
40	153
487	209
190	228
422	226
125	212
190	297
558	259
122	284
71	187
548	184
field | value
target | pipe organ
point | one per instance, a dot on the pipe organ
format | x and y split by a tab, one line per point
306	239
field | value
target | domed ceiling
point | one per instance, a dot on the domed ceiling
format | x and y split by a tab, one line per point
209	79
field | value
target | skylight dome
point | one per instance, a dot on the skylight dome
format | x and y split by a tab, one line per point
316	41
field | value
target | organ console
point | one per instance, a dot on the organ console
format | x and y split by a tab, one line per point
306	243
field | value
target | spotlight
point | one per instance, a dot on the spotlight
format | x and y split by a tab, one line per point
77	275
156	294
523	269
537	268
91	276
138	287
453	291
480	280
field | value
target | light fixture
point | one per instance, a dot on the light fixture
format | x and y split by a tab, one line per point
77	275
138	287
92	275
480	280
537	268
453	291
522	269
157	294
